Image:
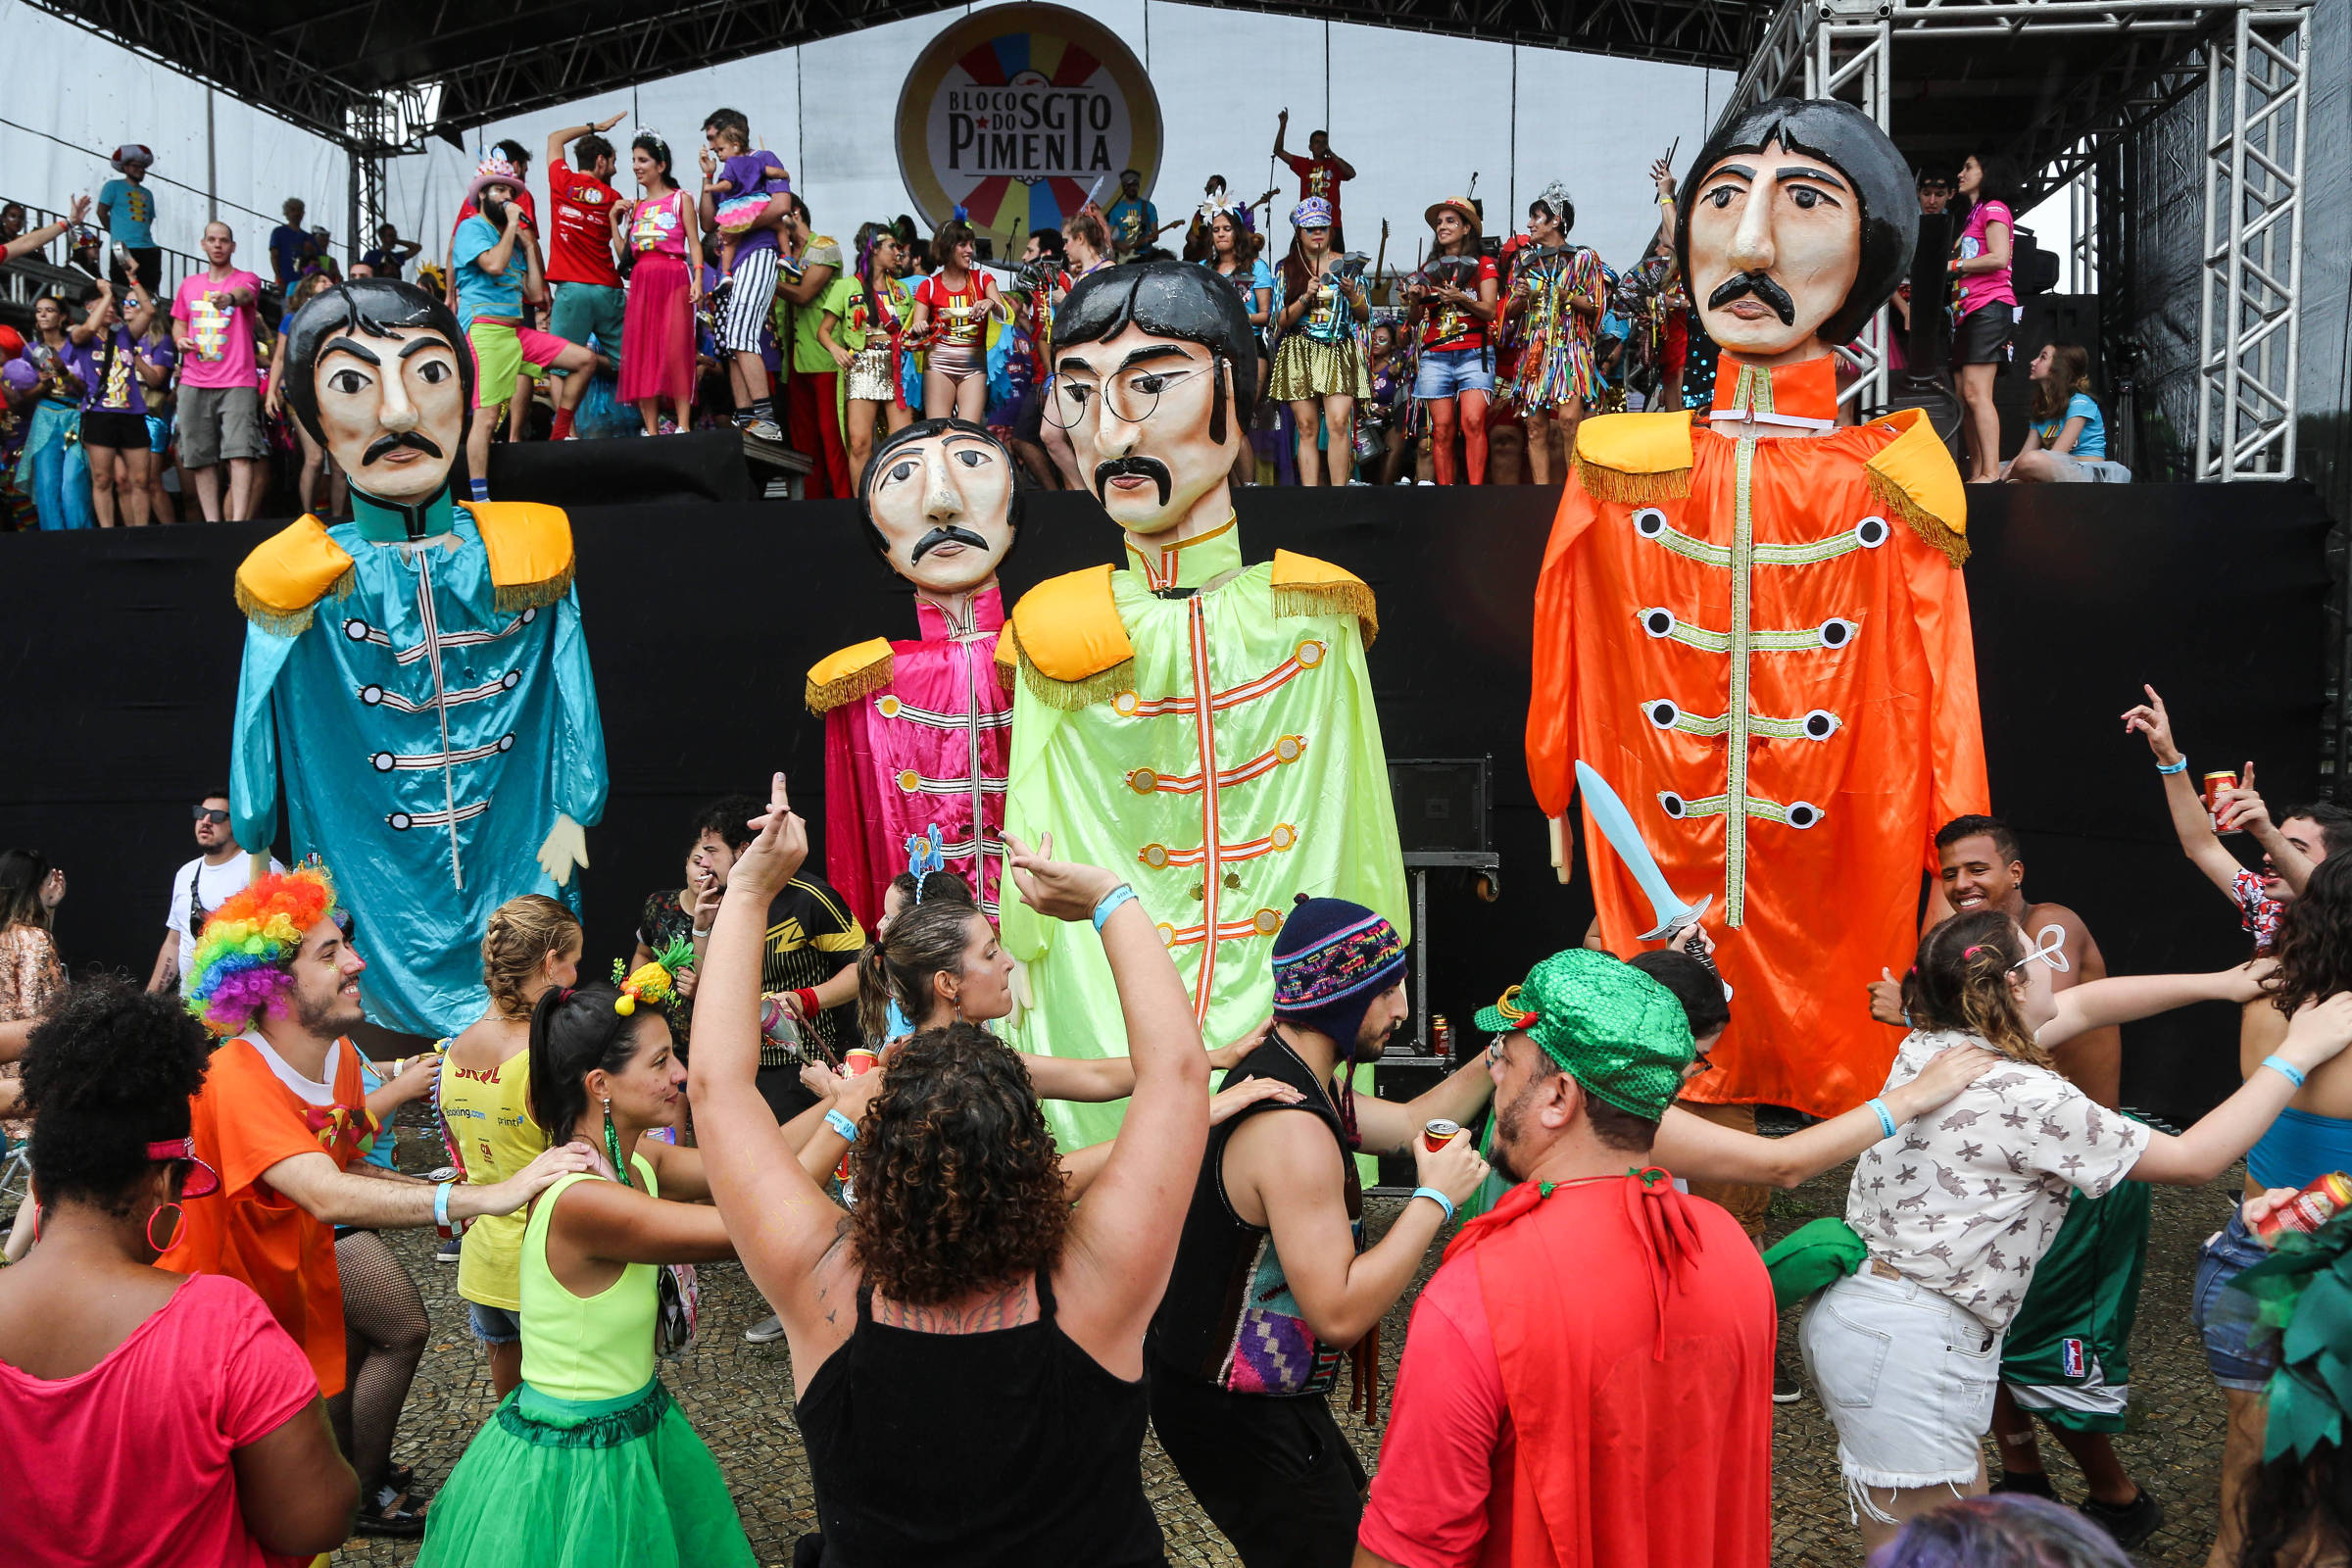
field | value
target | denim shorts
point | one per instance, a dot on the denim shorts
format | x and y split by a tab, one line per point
494	1325
1442	375
2228	1318
1907	1377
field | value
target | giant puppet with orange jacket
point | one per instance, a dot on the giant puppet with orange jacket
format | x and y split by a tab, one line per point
1751	621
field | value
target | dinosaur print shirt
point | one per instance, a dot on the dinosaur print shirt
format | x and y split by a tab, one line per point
1966	1199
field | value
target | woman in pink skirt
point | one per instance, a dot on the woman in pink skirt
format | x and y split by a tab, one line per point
663	287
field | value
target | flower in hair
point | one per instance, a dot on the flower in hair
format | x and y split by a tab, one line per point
654	981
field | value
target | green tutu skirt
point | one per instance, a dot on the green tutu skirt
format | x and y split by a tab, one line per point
1306	368
553	1483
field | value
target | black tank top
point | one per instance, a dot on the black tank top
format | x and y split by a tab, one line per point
1228	1318
1004	1449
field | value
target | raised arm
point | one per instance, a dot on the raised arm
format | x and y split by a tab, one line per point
1122	1239
34	239
1282	128
1695	1147
1388	1127
2190	824
2126	998
2242	808
559	140
781	1219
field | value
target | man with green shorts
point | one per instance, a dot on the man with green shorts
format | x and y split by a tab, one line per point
496	260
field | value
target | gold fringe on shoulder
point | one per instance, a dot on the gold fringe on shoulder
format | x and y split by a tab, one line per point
1072	695
1347	597
288	622
513	597
848	688
1924	523
1612	484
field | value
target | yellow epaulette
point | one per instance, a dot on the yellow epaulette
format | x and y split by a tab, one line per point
531	560
1634	457
1305	587
853	672
1067	640
1914	477
288	574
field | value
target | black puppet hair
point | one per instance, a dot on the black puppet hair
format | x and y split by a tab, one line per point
572	1034
107	1074
361	308
1852	143
1173	299
921	430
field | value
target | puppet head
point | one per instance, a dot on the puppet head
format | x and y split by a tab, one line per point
942	507
1155	379
1798	222
379	375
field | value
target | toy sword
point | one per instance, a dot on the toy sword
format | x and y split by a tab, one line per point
1616	824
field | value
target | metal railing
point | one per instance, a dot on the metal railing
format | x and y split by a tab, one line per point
50	269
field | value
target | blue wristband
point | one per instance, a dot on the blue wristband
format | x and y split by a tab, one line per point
1437	1197
2181	767
841	1126
1111	902
1886	1118
2285	1069
441	1206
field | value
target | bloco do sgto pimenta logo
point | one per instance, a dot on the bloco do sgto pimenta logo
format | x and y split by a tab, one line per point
1020	115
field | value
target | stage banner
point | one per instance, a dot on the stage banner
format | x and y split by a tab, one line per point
1020	114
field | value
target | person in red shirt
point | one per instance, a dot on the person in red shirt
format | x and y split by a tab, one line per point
146	1418
1453	300
590	306
1587	1377
1320	173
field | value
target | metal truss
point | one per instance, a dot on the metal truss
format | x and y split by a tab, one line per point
2256	107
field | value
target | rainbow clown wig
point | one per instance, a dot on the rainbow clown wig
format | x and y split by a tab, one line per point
244	961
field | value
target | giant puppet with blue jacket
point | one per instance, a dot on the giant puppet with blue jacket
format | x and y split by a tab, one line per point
419	676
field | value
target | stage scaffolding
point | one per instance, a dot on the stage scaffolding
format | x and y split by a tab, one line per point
2064	85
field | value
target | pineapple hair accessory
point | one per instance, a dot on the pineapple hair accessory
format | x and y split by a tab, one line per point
654	981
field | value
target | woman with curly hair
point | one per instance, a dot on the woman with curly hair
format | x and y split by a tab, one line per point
2310	1138
967	1349
145	1417
589	1462
1954	1210
531	946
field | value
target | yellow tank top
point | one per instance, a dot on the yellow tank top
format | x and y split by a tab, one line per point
585	1347
491	1125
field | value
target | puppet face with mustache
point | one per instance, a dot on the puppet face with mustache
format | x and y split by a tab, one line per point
393	410
943	505
1775	241
1150	420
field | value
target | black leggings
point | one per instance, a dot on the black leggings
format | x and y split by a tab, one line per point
383	1339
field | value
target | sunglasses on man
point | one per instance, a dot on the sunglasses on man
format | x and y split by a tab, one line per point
207	814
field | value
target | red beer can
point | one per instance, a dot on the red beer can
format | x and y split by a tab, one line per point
858	1062
2215	783
2309	1208
1439	1132
1440	1035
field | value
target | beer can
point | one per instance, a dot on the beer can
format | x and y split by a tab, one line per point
1440	1035
1439	1132
2215	783
2309	1208
858	1061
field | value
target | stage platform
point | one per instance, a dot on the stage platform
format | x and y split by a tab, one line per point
121	650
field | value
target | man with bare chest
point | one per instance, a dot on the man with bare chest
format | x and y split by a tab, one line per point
2066	1357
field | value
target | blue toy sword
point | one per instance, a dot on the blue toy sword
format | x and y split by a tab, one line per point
1616	824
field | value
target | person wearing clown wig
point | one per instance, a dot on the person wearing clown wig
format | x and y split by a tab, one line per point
283	1119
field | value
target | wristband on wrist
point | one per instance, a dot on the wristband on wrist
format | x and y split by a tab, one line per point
807	1000
841	1126
1886	1117
1111	902
2180	765
1437	1197
441	1221
2285	1069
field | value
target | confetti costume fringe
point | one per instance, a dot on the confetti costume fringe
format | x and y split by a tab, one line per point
1556	370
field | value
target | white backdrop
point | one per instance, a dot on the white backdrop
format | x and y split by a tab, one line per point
73	98
1416	114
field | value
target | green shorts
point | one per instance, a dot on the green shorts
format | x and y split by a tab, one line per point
496	360
585	311
2067	1358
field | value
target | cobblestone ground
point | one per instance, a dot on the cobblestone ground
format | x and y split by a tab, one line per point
739	1397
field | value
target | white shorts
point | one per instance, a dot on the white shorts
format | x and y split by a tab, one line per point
749	301
2069	469
1908	1379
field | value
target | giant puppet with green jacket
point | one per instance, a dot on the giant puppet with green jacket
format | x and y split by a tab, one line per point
418	677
